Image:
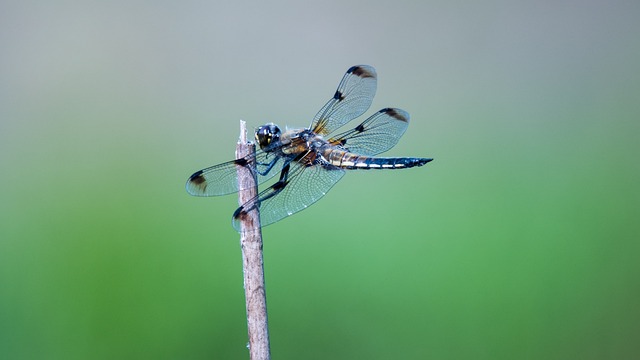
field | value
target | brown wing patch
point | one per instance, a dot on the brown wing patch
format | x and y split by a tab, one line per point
321	127
395	114
361	72
198	181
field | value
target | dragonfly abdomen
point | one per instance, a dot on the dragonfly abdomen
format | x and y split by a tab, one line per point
351	161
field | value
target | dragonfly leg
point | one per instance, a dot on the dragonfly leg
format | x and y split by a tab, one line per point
279	185
270	192
268	168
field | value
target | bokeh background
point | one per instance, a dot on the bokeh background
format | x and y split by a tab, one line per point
520	241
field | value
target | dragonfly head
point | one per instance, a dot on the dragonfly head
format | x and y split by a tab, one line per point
267	135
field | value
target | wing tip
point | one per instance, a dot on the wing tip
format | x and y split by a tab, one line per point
363	71
197	184
397	114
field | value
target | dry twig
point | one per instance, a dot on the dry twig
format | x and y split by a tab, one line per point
252	260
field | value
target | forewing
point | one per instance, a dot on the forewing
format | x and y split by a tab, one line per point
306	185
352	98
222	179
377	134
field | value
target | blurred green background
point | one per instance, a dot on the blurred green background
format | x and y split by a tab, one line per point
520	241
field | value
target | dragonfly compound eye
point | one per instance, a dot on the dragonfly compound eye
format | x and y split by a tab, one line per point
266	134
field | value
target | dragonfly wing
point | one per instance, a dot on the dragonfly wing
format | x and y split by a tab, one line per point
377	134
352	98
304	186
222	179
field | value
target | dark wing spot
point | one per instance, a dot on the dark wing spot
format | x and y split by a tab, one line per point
338	96
197	178
359	128
239	213
394	113
241	162
361	72
198	181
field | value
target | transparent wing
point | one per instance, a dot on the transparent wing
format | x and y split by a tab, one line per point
377	134
305	185
222	179
353	97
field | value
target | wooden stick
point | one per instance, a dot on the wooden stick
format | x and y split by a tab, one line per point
252	263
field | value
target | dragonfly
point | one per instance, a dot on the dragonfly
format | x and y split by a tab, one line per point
310	161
